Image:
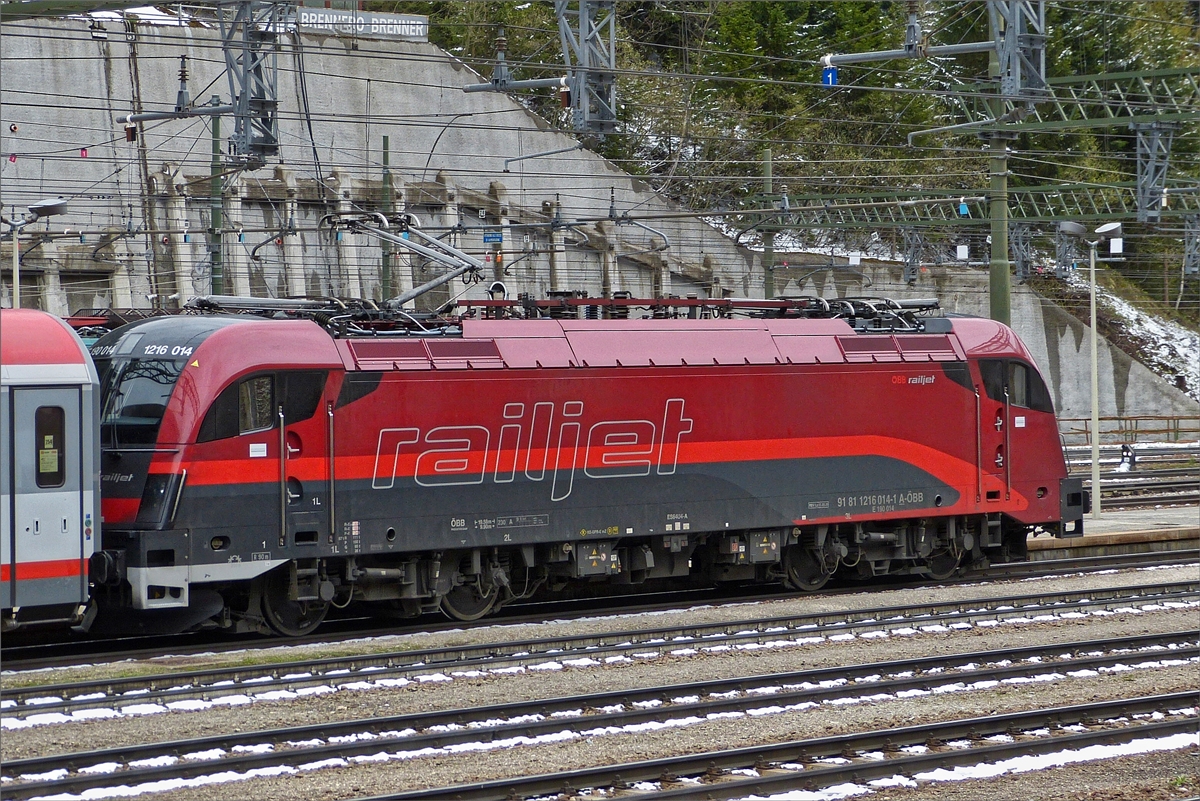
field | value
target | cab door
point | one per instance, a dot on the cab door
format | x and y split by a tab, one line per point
994	434
46	559
305	431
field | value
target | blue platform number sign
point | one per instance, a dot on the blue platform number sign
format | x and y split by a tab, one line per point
829	76
493	237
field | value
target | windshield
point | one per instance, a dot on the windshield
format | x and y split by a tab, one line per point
135	393
139	364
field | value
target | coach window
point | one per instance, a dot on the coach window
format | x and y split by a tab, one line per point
49	428
256	402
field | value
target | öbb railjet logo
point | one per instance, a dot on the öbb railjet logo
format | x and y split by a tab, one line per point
534	439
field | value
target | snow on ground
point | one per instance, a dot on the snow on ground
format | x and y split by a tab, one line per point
1167	348
985	770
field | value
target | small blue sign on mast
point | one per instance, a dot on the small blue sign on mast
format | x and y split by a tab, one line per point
829	76
492	236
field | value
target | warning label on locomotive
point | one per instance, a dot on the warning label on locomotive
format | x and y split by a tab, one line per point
611	531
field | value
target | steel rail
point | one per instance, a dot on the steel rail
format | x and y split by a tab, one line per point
336	630
335	671
339	629
1042	567
714	763
1135	485
1131	501
415	731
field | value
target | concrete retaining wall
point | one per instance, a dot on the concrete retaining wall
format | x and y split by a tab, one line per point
139	211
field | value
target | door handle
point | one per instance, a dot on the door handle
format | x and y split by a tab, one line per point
66	526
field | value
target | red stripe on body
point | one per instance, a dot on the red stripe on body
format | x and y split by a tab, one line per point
59	568
119	510
943	466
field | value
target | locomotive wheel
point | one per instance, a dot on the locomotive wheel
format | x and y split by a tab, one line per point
287	617
943	565
467	603
804	569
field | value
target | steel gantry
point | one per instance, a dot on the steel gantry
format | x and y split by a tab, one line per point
1018	98
1153	153
249	36
1096	101
588	32
588	29
949	209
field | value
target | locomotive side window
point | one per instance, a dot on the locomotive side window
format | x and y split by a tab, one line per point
250	404
301	394
49	432
1018	384
256	401
992	371
221	421
1037	396
1025	385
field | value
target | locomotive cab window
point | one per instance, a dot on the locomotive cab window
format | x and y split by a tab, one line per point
992	372
1024	384
49	435
256	402
250	404
302	392
1018	384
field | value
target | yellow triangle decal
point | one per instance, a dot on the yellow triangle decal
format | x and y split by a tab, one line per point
196	363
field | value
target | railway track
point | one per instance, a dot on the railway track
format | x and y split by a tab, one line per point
42	655
182	690
853	758
1143	488
592	715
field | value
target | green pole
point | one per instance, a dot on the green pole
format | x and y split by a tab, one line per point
215	204
385	278
768	234
999	283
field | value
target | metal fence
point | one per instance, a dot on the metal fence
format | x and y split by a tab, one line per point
1130	430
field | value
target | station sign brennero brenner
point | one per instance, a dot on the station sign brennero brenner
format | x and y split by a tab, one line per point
406	27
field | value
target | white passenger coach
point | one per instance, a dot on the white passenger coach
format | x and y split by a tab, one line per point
49	479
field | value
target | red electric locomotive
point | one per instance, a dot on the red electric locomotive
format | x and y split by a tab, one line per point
257	471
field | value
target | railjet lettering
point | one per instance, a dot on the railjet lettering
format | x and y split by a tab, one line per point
532	439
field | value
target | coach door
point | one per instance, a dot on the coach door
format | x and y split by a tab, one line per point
46	552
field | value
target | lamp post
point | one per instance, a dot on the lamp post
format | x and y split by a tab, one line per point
1112	232
43	208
